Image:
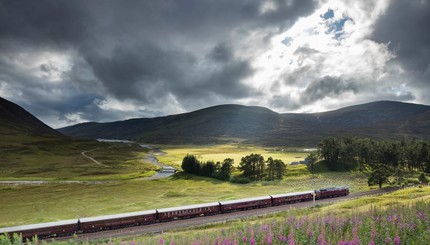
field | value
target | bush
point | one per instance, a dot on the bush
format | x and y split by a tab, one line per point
240	180
423	179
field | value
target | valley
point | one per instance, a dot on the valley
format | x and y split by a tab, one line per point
47	176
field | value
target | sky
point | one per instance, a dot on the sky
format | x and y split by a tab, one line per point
69	62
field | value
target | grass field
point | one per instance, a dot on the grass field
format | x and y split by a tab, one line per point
26	204
120	188
60	159
176	153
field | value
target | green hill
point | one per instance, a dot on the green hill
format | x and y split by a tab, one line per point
14	120
258	125
29	149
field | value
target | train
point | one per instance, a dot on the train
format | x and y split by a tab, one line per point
116	221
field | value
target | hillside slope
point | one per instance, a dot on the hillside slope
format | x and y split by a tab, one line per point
16	120
250	124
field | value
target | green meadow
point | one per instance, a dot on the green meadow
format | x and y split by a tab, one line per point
44	158
121	187
175	153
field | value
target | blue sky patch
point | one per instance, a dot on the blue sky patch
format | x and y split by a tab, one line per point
287	41
328	15
337	26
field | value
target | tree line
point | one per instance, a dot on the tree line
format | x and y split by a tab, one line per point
222	171
383	158
254	168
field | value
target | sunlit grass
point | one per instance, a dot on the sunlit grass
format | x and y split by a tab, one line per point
215	153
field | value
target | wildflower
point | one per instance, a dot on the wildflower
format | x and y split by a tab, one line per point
269	239
244	239
252	241
355	239
291	239
310	233
321	239
161	240
387	240
397	240
282	238
133	242
371	242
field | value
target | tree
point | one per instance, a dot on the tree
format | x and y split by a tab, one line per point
226	169
311	159
207	169
253	166
423	179
190	164
280	168
329	150
379	175
271	169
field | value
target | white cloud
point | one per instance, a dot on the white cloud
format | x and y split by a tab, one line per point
336	47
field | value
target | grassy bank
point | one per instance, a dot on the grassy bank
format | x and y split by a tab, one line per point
398	218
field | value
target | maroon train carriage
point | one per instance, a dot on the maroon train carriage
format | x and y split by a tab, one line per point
303	196
183	212
43	230
331	192
115	221
246	203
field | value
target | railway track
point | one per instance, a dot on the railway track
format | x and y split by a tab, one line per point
186	223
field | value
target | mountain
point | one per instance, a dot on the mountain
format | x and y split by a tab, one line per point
16	120
258	125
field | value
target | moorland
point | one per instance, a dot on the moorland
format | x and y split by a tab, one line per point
74	186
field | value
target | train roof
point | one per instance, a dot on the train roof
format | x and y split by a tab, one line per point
203	205
245	200
334	188
117	216
37	226
293	194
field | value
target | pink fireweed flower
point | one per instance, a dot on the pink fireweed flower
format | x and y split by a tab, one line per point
161	240
310	233
387	240
269	239
321	240
291	239
244	239
282	238
397	240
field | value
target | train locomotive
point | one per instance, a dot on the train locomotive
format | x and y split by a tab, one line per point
107	222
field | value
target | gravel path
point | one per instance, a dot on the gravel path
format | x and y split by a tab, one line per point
84	153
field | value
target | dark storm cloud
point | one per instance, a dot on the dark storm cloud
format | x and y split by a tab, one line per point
141	51
405	26
53	23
